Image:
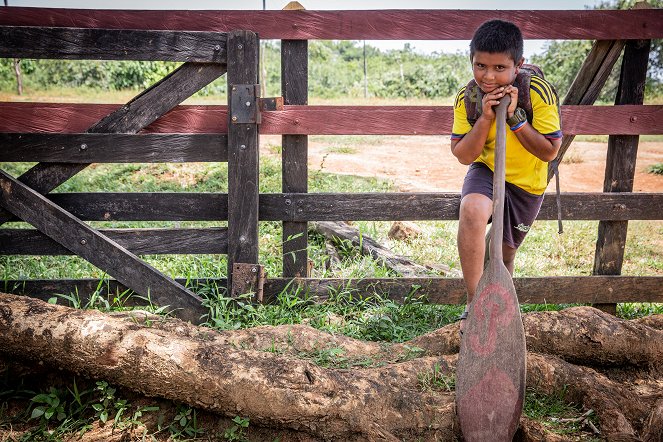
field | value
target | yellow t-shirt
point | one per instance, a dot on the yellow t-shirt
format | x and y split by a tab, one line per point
522	168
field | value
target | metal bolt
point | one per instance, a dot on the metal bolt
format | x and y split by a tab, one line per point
234	118
83	146
634	119
83	241
288	202
240	47
234	88
248	103
296	121
217	48
243	146
254	269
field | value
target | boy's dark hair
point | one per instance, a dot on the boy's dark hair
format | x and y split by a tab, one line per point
498	36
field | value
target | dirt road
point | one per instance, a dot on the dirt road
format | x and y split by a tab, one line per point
425	163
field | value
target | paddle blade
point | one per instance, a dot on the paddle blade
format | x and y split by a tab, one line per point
490	375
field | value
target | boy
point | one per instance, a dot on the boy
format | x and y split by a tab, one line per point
496	53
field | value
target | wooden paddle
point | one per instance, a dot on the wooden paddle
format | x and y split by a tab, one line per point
490	384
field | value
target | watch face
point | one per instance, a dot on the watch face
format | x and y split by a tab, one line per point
520	113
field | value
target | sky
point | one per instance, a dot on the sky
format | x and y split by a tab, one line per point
531	46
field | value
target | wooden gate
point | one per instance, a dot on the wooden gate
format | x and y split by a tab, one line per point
115	138
153	128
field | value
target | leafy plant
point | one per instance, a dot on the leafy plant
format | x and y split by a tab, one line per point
237	432
185	423
50	406
656	169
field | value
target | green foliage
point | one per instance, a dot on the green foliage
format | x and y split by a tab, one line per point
185	423
436	380
50	406
237	432
656	169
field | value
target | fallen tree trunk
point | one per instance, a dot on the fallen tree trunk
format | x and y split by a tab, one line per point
368	246
238	372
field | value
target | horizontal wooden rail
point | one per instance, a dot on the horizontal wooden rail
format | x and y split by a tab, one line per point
542	290
323	120
436	24
109	44
341	206
113	148
213	240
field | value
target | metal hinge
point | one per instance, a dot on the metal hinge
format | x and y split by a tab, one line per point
248	278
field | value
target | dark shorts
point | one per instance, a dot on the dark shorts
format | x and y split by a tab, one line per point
520	206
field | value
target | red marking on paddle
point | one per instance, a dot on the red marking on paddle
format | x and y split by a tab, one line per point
495	302
486	401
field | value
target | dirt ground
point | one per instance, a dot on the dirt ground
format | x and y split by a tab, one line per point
425	163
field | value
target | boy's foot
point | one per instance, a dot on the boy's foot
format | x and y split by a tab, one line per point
462	318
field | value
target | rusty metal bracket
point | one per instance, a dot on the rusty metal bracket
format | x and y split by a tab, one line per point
271	104
248	278
244	107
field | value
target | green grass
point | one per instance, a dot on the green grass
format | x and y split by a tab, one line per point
656	169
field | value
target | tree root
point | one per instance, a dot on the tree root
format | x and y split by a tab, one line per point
404	394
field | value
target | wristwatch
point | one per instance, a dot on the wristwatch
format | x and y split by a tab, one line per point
518	117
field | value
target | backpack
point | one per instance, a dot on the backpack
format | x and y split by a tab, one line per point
474	94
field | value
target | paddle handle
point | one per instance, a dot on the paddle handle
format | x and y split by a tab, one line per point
496	232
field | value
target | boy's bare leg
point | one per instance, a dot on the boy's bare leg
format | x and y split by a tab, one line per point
475	210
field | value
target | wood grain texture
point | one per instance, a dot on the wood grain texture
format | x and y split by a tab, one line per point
324	120
137	241
490	374
142	110
294	157
98	249
587	85
111	44
358	25
621	159
243	156
113	148
540	290
187	206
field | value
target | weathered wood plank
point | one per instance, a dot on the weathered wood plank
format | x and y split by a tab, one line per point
622	155
539	290
294	157
325	120
137	241
395	24
142	110
587	85
243	170
111	44
113	148
187	206
98	249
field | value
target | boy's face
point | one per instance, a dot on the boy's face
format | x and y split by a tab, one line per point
493	70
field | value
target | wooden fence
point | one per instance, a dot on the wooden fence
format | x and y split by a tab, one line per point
155	127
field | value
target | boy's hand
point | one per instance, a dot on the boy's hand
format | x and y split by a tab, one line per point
492	99
513	91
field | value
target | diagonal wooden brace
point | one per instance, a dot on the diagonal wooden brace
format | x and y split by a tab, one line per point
137	114
98	249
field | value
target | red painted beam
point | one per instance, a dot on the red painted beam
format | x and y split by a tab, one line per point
323	120
436	24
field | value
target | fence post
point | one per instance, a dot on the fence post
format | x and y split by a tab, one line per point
243	119
620	163
294	88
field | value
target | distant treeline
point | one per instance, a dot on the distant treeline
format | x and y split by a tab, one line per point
336	69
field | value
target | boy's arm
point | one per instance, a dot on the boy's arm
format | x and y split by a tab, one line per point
538	145
468	148
533	141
